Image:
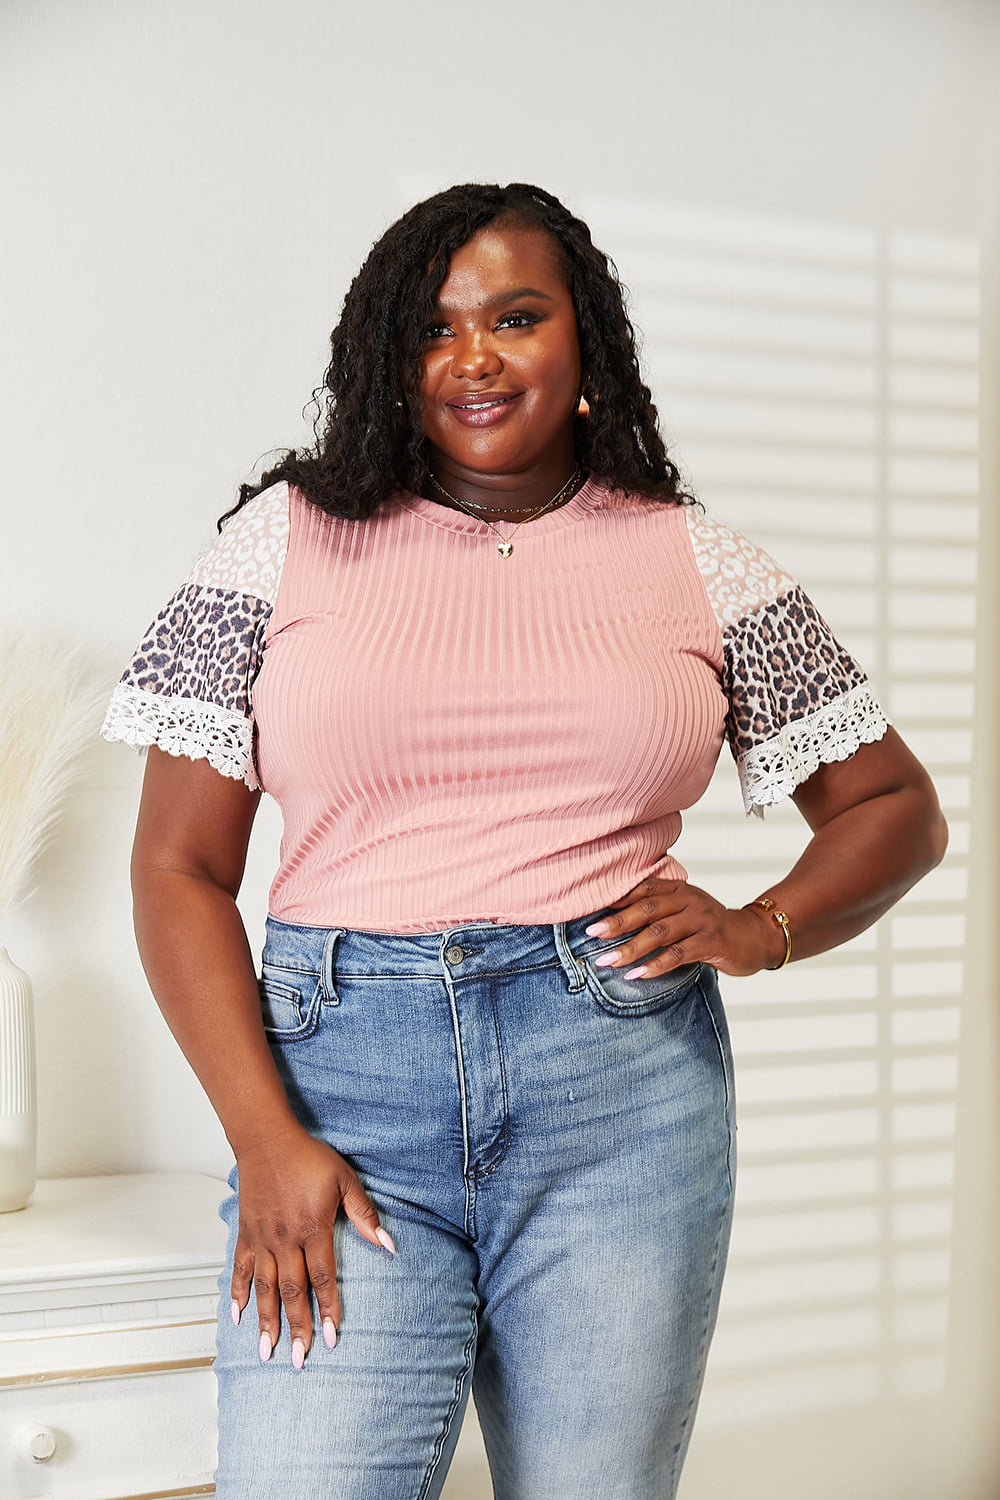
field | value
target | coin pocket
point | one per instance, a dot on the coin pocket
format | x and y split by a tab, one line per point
638	997
290	1006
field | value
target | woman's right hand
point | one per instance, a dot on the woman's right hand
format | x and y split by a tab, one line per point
291	1188
187	864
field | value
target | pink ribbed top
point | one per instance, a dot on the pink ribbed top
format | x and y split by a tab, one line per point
455	737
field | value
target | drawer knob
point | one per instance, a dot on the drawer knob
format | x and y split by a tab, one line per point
38	1443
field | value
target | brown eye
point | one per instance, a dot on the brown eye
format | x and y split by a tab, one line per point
517	320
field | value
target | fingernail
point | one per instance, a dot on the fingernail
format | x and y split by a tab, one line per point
234	1308
265	1346
604	959
636	973
385	1240
298	1354
330	1333
596	929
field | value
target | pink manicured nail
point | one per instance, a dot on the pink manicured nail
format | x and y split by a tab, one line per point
265	1346
234	1308
329	1333
636	973
298	1354
603	960
385	1239
596	929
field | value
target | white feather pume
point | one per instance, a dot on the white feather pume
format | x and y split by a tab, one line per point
51	700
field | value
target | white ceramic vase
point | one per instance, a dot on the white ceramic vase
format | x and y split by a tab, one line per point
18	1113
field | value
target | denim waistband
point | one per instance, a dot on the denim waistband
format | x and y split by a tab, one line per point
476	948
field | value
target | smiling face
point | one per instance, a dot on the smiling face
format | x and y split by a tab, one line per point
501	365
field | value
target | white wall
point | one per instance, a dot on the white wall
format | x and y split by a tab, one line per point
795	189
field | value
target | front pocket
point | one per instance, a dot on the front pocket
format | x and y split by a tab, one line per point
638	997
290	1008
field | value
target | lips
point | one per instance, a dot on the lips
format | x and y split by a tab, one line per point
482	409
482	398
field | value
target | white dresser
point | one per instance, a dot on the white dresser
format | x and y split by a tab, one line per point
107	1319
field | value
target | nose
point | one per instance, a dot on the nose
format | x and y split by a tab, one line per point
474	356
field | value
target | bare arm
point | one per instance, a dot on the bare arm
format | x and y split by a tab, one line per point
187	864
877	828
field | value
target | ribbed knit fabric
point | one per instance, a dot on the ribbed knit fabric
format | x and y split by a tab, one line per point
454	736
457	737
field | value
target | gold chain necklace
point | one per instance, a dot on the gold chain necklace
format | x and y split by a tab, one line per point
505	546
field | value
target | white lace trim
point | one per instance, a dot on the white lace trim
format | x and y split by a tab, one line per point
738	576
771	771
249	555
183	726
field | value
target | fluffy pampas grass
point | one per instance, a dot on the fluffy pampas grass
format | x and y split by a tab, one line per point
51	701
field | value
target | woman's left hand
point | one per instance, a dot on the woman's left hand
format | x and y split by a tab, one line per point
689	926
876	828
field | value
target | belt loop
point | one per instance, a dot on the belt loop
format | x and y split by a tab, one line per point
328	977
575	976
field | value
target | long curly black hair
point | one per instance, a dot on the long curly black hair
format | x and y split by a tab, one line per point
369	443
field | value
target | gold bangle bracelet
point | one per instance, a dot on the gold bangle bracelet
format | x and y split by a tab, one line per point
781	917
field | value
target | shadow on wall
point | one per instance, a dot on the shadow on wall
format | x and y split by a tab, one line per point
824	382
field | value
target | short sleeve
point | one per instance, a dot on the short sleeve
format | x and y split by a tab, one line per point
188	688
796	699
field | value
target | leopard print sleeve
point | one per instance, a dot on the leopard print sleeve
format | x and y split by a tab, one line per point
796	699
188	688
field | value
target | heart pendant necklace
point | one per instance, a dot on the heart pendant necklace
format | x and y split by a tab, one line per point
505	546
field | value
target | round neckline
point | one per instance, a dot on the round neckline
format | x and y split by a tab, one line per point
589	497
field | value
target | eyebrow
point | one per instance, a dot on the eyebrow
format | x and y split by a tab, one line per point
516	294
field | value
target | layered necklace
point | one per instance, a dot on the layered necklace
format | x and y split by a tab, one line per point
505	546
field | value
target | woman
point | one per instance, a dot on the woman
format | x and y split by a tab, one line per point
482	649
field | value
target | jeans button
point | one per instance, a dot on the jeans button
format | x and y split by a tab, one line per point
454	954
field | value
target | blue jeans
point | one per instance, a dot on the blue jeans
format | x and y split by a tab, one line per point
551	1148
